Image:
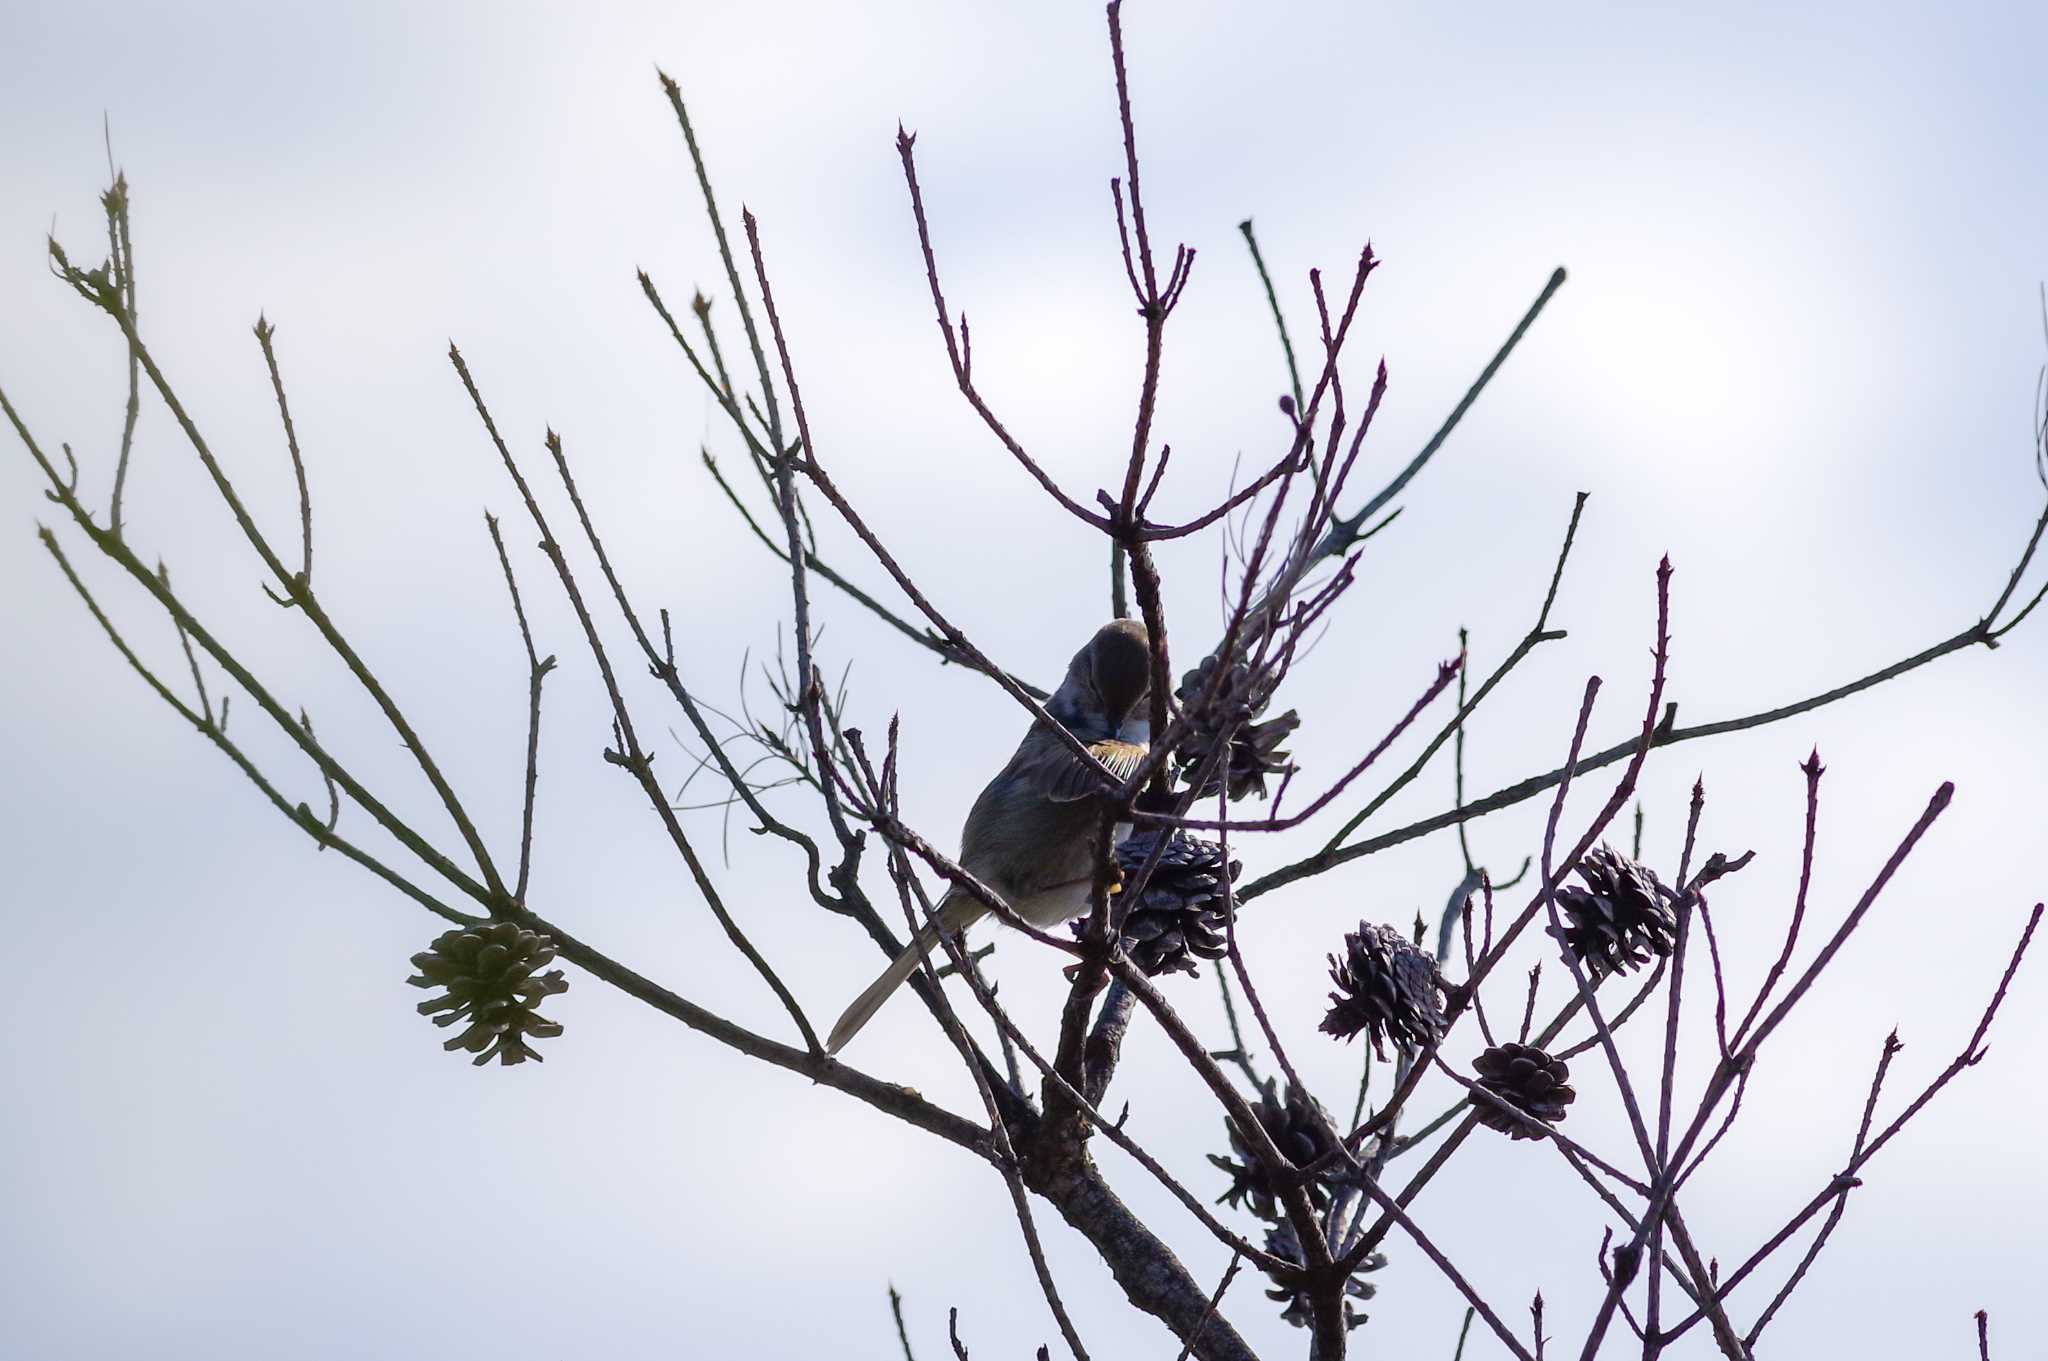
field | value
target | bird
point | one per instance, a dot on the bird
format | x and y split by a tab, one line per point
1030	834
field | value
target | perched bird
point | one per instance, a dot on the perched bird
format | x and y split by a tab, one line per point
1029	836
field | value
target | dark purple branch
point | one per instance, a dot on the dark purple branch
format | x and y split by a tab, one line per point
1445	673
1667	734
1450	1272
1812	769
962	376
1820	1240
1971	1054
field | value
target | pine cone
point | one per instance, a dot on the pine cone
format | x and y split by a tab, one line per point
1283	1243
1620	918
488	971
1531	1079
1180	915
1297	1128
1254	747
1387	987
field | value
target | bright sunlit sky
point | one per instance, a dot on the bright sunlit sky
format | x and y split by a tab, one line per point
1796	351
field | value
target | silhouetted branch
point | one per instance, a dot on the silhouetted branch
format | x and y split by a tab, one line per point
537	670
1289	558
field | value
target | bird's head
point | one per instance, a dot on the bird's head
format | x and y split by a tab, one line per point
1117	666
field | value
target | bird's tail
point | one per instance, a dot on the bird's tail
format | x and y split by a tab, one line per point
954	914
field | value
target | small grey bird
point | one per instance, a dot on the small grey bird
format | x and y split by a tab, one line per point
1029	835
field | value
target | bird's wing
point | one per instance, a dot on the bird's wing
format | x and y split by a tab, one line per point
1071	780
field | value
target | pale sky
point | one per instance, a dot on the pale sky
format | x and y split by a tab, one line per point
1796	351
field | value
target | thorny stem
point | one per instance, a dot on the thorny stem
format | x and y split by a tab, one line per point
959	355
1812	769
1538	634
121	261
785	488
1343	530
1229	1275
537	671
264	333
1667	1079
1972	1053
1443	1264
1154	306
1667	734
159	589
296	585
923	638
1889	1051
882	791
630	755
732	273
299	814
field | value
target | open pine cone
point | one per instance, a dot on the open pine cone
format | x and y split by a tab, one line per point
488	972
1298	1128
1254	754
1180	916
1535	1082
1283	1243
1387	987
1621	918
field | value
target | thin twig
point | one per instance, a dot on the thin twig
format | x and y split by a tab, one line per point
1463	1330
537	669
295	586
265	333
1820	1240
299	814
1273	302
1812	769
957	353
1538	634
1450	1272
902	1333
1971	1054
117	551
1348	526
629	754
1229	1275
881	789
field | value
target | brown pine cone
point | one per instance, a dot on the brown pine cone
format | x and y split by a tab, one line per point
1180	916
1621	918
1298	1128
1536	1083
1387	987
1283	1243
1254	755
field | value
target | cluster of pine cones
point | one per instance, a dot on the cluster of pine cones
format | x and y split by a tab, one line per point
1302	1130
1385	986
1180	915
